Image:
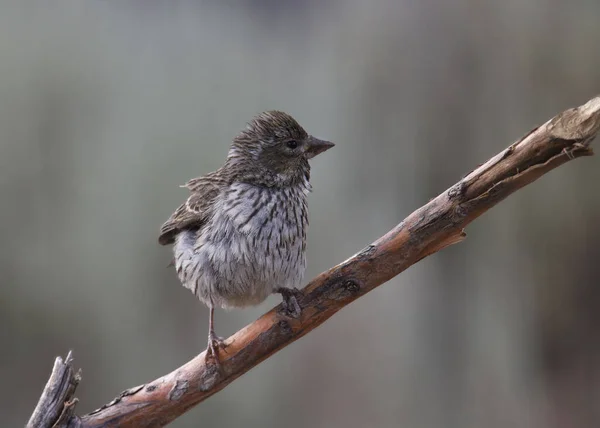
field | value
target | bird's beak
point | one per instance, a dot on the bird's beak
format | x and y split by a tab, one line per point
316	146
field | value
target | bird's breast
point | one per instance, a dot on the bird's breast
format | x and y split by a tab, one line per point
261	212
255	240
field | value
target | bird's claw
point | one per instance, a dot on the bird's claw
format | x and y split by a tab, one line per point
212	351
290	301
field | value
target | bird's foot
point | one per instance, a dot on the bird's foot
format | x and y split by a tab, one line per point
212	351
290	301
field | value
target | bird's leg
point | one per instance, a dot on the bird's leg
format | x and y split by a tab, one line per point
290	300
214	342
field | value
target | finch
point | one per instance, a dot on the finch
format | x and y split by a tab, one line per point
241	234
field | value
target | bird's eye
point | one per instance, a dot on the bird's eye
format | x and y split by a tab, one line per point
292	144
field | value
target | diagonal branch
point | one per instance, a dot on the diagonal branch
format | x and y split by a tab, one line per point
429	229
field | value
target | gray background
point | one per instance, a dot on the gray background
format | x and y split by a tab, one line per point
106	107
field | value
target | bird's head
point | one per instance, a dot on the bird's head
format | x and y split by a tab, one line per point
274	150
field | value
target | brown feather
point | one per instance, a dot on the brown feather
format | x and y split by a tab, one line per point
194	212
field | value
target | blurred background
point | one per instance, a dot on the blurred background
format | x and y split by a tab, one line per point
106	107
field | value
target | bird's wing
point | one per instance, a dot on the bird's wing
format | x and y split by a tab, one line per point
194	212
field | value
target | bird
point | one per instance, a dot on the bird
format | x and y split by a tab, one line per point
241	234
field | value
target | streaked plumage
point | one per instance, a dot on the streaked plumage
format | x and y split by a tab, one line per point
241	234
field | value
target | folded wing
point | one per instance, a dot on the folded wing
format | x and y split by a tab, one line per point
194	213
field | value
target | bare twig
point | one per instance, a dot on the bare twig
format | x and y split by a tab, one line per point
57	404
429	229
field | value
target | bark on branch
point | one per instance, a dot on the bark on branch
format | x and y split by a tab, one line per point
57	403
432	227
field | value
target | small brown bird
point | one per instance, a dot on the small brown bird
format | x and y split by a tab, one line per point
241	234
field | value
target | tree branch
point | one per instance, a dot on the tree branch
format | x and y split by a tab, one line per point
429	229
